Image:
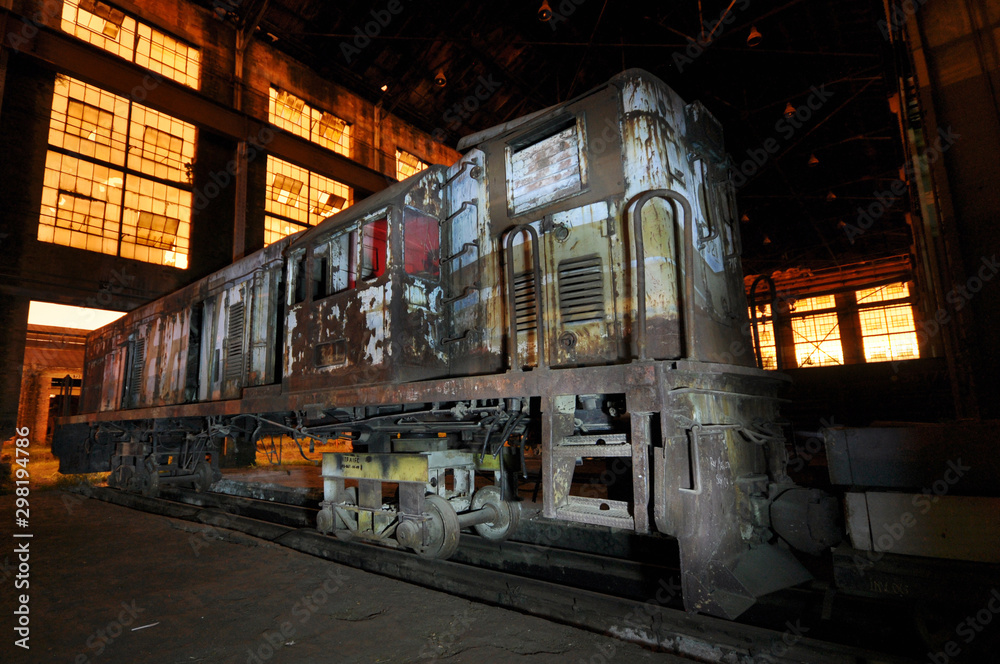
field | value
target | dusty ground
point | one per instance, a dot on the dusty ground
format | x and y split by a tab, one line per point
98	571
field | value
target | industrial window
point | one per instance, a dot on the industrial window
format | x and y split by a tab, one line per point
421	244
765	332
80	213
94	197
294	115
275	229
165	55
887	328
407	164
160	145
817	336
298	198
114	31
89	121
374	248
81	204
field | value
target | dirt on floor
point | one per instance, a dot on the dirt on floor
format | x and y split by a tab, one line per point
108	584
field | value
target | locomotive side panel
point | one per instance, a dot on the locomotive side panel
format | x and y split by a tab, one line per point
470	272
416	346
659	153
266	295
580	256
337	305
561	174
102	368
171	342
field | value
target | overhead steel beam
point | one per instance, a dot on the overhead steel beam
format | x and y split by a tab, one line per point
68	55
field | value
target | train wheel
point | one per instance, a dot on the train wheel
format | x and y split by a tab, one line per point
443	528
509	514
325	519
150	484
202	476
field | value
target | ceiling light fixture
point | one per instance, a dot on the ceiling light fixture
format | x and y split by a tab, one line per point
384	88
789	110
440	79
830	196
754	37
745	218
767	240
545	11
813	161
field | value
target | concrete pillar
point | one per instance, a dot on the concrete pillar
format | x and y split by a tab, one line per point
850	328
954	48
13	330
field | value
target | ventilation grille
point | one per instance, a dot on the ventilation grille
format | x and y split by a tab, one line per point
581	290
524	301
138	364
234	343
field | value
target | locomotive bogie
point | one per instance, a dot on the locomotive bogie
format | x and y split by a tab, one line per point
436	497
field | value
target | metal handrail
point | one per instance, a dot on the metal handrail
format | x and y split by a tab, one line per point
472	202
640	277
511	299
774	319
461	252
468	290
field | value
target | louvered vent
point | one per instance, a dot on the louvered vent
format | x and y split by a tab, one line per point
581	290
524	301
138	363
234	343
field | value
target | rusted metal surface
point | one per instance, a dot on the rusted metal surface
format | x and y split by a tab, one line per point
544	285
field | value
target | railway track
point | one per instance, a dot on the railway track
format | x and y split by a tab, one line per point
634	601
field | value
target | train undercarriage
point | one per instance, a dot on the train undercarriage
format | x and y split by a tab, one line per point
700	444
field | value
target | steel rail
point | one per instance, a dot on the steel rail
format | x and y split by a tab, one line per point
649	623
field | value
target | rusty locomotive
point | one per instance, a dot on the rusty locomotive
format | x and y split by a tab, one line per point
572	283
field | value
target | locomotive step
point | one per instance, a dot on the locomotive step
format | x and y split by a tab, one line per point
602	445
596	511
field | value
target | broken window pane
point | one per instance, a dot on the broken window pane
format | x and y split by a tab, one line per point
374	248
89	122
156	230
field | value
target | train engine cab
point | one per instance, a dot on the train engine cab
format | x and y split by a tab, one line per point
363	301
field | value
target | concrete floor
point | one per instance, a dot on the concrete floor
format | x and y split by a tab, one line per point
99	571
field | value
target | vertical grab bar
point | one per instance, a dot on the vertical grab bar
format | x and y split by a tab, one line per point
640	262
511	298
774	319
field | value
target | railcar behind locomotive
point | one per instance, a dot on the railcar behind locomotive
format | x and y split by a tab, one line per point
572	282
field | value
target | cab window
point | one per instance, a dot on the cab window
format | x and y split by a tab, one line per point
344	261
421	244
374	248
